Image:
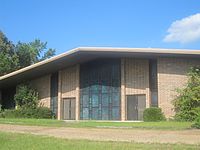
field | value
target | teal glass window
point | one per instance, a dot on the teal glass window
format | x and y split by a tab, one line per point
105	88
95	88
95	113
85	100
85	113
100	90
95	100
105	113
105	99
115	99
115	113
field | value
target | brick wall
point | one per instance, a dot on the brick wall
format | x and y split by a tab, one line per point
172	75
42	85
68	79
137	77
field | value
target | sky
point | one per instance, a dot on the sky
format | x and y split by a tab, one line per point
67	24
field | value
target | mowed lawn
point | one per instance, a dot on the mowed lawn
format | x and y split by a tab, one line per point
167	125
26	141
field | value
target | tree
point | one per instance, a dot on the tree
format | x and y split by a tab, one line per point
30	53
9	59
14	57
187	104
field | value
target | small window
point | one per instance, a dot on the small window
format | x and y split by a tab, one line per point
153	82
54	93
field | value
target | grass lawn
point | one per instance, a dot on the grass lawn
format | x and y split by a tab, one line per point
26	141
168	125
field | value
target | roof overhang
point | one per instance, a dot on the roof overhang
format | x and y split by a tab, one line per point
84	54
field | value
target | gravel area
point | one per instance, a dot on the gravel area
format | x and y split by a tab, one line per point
136	135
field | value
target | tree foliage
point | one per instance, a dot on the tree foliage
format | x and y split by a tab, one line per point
30	53
187	104
26	97
17	56
9	59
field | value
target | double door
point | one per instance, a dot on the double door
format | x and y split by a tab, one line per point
135	105
69	107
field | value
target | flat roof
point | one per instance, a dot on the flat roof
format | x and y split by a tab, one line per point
83	54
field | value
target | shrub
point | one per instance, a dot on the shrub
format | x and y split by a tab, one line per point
187	103
39	113
1	114
188	115
197	123
26	97
153	114
1	111
11	113
44	112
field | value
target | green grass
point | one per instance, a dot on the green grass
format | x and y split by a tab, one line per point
17	141
167	125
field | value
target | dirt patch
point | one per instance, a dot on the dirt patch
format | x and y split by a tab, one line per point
136	135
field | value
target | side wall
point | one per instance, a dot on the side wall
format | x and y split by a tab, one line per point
172	75
42	85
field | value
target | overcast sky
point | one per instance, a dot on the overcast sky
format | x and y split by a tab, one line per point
66	24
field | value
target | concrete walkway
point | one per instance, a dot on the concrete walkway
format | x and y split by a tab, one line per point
136	135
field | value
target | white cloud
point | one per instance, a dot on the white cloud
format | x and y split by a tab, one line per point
186	30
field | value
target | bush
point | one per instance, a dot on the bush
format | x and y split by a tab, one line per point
153	114
188	115
44	112
1	108
11	113
197	123
187	103
38	113
26	96
1	115
1	111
